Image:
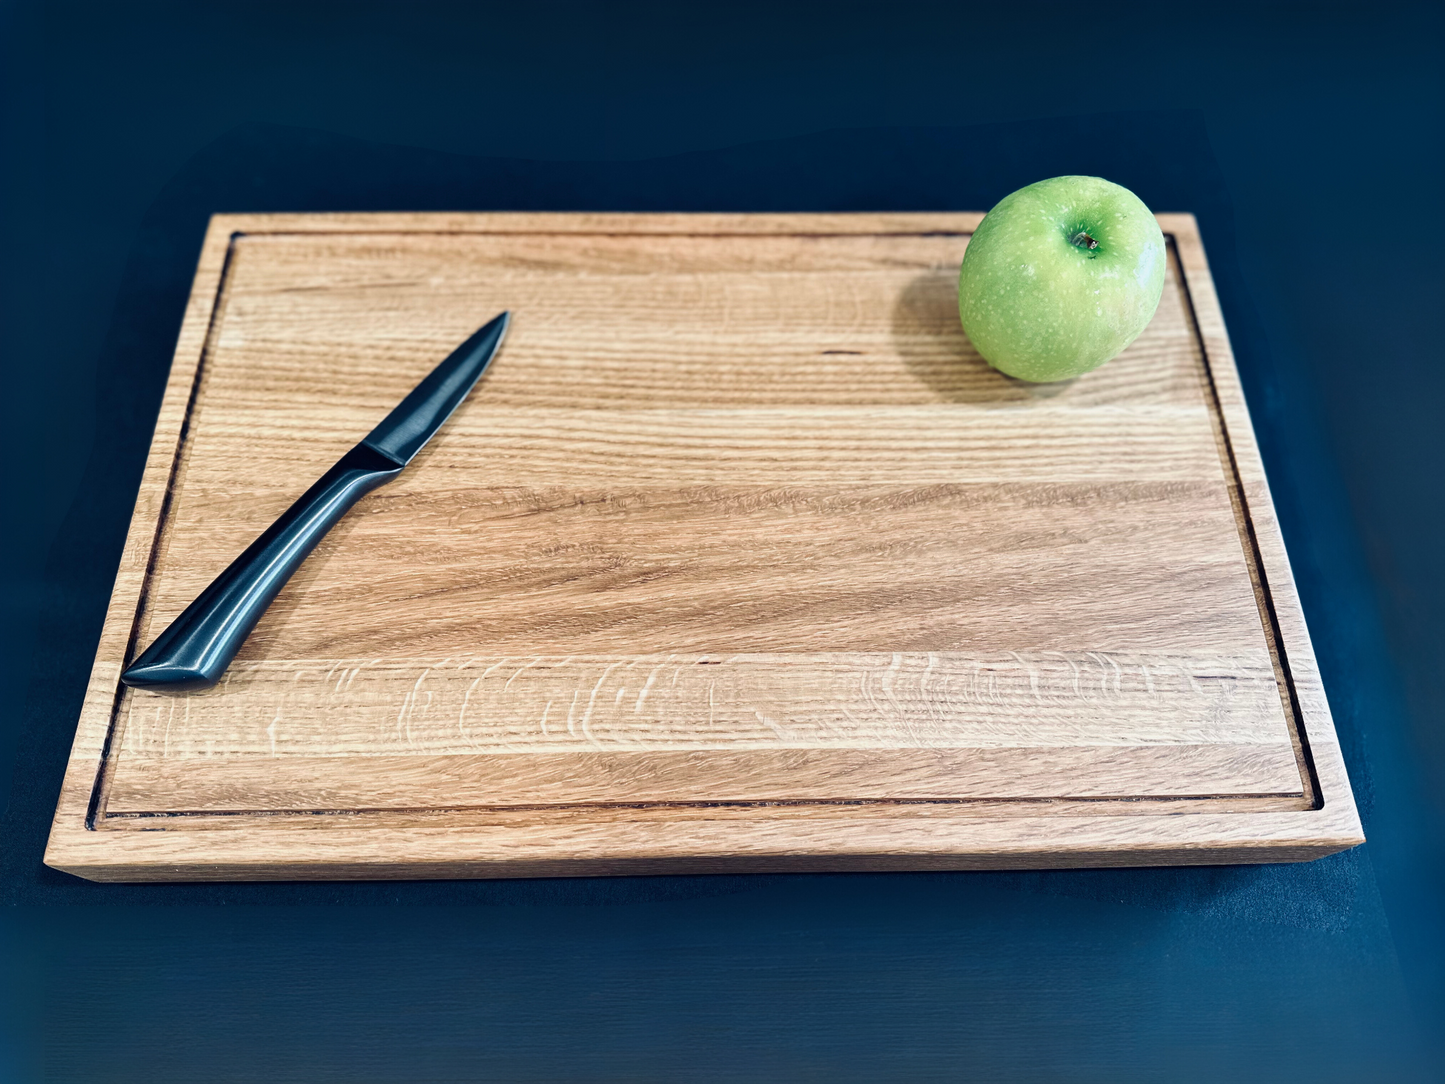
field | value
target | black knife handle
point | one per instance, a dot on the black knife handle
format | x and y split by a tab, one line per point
195	650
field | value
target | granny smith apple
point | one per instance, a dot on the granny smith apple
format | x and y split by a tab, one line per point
1061	276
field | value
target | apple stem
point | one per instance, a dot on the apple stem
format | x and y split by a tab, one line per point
1083	240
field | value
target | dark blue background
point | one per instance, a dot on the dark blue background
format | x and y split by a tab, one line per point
1310	141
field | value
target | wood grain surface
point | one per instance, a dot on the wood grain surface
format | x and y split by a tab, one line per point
739	557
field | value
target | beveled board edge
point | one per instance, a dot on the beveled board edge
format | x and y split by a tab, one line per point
860	223
1284	617
89	752
616	840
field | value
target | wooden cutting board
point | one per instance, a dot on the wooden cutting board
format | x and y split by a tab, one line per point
739	558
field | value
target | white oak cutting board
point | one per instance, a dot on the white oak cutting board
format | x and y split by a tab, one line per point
739	558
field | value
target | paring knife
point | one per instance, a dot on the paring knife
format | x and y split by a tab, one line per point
195	650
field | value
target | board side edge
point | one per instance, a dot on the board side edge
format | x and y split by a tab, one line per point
98	707
611	845
1335	794
861	223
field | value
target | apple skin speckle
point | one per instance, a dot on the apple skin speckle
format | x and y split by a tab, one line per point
1041	308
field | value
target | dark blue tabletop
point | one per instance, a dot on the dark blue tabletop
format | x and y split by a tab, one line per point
1309	140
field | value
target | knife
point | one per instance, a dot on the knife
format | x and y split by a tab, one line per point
196	648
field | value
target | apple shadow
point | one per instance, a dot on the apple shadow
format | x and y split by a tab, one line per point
937	351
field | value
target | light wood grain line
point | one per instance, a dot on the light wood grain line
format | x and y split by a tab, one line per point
486	704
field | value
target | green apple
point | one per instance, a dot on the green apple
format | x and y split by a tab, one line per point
1061	276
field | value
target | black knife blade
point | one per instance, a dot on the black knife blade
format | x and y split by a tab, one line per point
197	646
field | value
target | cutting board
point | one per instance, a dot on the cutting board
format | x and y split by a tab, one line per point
739	558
